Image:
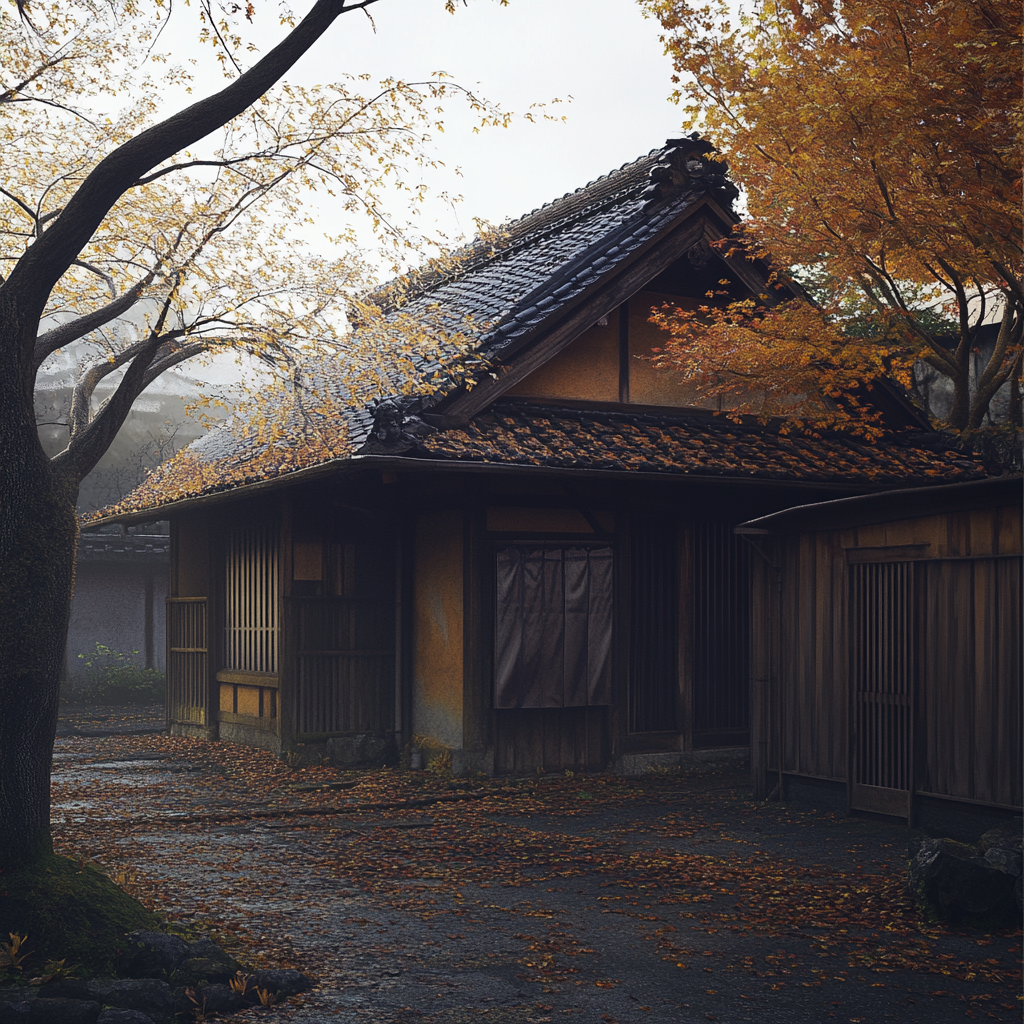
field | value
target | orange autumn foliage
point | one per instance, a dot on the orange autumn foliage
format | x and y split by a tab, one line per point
878	141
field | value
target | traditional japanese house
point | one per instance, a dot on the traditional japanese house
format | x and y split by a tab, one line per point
886	651
537	571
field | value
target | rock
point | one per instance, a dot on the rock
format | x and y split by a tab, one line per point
63	1011
362	748
953	880
1001	848
150	995
284	982
14	1011
1018	895
205	962
219	999
111	1016
64	988
153	955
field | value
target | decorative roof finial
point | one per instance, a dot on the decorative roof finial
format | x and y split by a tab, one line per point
686	165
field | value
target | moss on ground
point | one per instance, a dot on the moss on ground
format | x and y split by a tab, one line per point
69	912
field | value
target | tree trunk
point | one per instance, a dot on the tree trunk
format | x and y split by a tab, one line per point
960	410
38	533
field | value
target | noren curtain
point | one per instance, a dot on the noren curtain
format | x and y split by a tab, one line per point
553	627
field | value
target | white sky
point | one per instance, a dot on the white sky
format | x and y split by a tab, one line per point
602	53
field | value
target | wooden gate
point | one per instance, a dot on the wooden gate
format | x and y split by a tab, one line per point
882	673
188	685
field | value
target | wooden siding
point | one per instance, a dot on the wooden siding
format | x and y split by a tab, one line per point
721	636
970	692
653	626
963	575
345	665
551	739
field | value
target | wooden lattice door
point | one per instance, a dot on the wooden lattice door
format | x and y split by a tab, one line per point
882	673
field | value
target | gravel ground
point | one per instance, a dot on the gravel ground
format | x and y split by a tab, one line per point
586	898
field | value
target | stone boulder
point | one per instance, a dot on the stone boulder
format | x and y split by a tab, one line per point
63	1011
147	995
220	998
956	882
359	749
152	955
14	1008
205	962
282	983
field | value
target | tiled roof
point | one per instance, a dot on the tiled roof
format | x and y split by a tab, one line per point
537	264
531	435
508	286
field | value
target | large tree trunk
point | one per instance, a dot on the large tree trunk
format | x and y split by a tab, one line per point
38	532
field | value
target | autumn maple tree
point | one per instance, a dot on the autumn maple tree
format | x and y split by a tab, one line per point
878	144
146	241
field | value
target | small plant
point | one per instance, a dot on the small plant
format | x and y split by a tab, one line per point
113	677
441	764
54	970
198	1008
124	878
239	984
266	997
12	953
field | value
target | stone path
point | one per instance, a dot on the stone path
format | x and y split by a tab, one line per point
588	898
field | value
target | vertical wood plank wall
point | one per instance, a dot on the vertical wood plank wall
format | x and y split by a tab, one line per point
967	637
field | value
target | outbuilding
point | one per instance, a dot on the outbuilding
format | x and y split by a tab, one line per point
886	651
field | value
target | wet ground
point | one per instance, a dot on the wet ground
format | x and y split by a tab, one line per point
599	899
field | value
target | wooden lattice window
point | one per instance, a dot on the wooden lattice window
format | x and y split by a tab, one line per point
251	599
187	686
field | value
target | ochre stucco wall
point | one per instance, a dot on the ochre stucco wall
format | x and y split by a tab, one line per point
648	385
438	636
586	369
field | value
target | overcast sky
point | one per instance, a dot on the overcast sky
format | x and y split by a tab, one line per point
602	53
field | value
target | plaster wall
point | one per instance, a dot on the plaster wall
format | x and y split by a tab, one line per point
119	605
437	690
587	369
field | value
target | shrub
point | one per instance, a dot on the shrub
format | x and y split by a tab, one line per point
113	677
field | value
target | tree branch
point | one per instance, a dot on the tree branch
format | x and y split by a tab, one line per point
48	343
89	440
24	294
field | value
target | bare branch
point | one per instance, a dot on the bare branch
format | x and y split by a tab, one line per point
58	337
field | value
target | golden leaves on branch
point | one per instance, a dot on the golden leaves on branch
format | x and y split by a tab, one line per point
877	140
789	360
